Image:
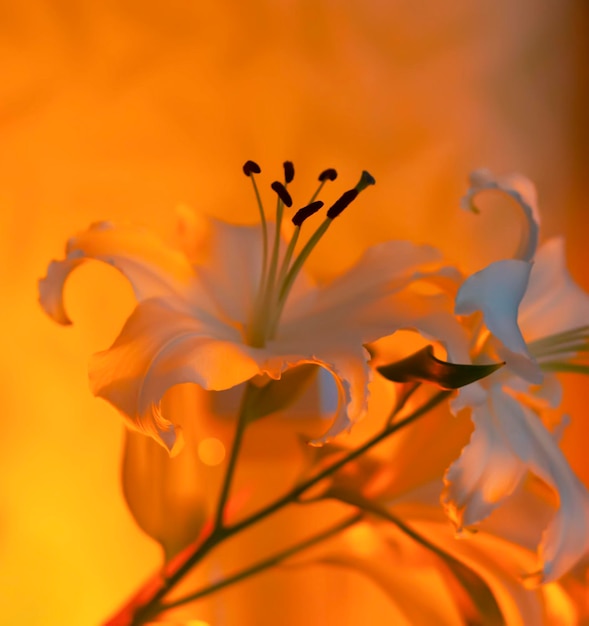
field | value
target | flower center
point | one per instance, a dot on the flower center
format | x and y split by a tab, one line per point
280	271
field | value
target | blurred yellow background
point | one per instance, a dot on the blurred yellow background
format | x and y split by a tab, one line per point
121	110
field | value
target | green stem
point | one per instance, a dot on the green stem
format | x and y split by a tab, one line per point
221	532
293	495
265	563
317	192
235	448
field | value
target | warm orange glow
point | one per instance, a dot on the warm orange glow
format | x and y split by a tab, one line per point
363	540
211	451
122	111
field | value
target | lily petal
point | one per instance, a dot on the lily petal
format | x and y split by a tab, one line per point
375	298
344	358
497	291
352	375
488	470
152	268
227	259
160	347
553	302
508	441
383	269
523	192
372	300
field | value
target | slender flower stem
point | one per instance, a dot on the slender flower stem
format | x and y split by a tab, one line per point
266	563
235	448
317	191
152	606
293	495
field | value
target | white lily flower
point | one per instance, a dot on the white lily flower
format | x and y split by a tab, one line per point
537	320
236	303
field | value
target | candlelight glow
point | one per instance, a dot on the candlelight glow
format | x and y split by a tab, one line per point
126	111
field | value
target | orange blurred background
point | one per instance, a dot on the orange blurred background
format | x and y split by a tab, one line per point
121	110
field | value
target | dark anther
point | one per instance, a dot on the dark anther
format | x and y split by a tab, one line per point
342	202
302	214
288	171
329	174
280	189
251	167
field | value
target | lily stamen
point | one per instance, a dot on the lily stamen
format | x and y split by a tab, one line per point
301	215
556	352
249	169
276	282
339	205
288	172
282	193
284	199
328	174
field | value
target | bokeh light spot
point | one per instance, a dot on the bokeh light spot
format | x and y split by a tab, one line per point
211	452
364	540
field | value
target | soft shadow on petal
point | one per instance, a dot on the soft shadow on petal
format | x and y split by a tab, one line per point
566	539
227	259
163	493
487	471
382	270
160	347
408	574
553	302
430	315
509	440
344	359
500	563
152	268
171	499
353	375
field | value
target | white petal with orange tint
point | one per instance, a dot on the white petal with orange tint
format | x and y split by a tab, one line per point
510	440
553	302
160	347
152	268
566	539
497	291
523	192
382	270
488	469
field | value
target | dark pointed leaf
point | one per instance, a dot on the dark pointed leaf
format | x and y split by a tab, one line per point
423	366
